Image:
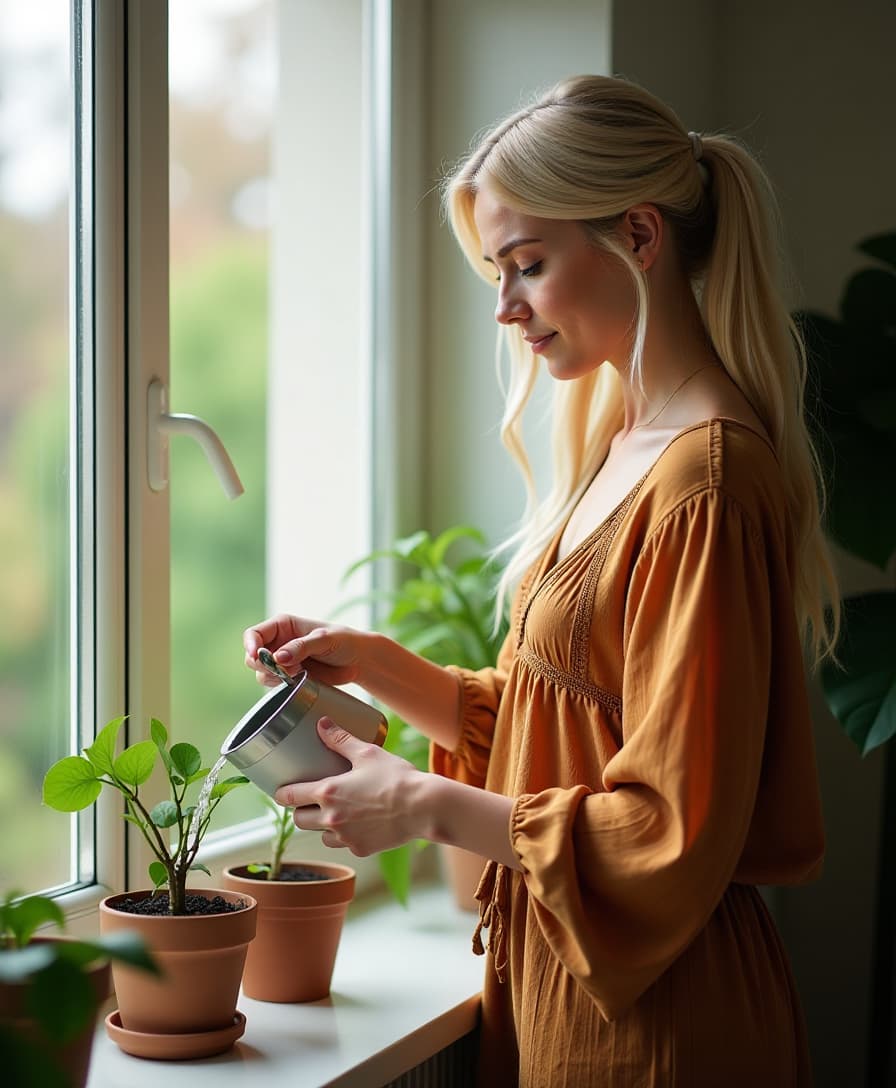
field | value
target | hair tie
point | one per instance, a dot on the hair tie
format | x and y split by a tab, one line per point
696	145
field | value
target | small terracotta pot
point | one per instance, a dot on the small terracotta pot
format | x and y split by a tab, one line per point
464	871
71	1058
201	956
299	927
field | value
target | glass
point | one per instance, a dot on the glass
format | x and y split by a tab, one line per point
37	725
222	77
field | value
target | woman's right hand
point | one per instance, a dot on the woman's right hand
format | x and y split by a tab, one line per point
327	651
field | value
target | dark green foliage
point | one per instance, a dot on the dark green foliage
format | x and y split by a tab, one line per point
852	411
60	996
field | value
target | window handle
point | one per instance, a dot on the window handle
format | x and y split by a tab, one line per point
160	423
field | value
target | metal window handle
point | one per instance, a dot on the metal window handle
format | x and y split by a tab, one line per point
160	423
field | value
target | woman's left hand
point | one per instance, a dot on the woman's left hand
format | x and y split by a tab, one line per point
374	806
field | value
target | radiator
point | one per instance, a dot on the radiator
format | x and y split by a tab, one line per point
453	1067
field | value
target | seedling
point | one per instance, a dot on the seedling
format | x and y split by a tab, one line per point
77	781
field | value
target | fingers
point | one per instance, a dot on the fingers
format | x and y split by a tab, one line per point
282	635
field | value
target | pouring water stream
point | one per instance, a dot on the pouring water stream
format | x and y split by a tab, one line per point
211	779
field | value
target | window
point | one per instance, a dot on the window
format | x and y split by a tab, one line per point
138	226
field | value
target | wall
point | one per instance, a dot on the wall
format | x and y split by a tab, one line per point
486	57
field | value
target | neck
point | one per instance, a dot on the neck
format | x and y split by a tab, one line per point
676	347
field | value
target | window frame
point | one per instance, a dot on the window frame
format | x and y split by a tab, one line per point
120	321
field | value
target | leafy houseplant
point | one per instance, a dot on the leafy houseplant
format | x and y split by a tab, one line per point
190	1011
853	370
853	367
301	910
444	610
50	990
77	781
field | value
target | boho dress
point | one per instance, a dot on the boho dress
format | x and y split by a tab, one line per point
649	713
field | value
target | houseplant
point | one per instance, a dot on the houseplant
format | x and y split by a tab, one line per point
301	910
443	608
50	990
852	409
191	1010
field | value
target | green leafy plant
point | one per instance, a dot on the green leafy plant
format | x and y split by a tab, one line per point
59	993
443	609
283	830
852	408
75	782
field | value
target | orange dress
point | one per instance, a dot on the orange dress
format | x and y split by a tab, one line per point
649	713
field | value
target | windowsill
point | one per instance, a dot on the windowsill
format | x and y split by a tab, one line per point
405	985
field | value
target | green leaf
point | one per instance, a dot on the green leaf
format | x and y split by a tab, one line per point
71	784
27	1063
164	814
19	964
869	301
21	919
121	946
135	764
186	759
158	874
201	773
159	735
862	693
220	788
202	868
102	752
860	475
882	247
62	998
458	532
253	868
395	867
414	548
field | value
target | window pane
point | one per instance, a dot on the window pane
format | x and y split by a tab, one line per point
222	83
36	724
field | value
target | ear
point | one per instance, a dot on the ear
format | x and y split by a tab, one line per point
642	232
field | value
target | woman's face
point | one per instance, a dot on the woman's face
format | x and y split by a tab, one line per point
573	302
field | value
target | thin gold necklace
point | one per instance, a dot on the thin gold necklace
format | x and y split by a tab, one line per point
674	393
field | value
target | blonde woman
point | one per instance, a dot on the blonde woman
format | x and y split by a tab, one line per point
640	759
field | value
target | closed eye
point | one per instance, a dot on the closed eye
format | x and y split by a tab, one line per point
531	270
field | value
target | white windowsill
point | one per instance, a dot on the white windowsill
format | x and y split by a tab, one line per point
406	984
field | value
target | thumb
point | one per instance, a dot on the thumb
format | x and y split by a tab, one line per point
337	738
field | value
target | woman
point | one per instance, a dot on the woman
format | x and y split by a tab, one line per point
640	758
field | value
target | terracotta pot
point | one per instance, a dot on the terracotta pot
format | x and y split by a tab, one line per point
299	926
73	1057
463	873
202	958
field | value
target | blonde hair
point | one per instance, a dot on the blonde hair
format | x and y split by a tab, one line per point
588	150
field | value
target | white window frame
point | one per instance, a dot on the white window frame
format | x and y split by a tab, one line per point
122	625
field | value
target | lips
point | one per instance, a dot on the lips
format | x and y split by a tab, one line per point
539	343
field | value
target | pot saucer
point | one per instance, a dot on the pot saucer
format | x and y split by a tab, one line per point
174	1047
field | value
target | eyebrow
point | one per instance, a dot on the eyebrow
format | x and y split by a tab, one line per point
508	247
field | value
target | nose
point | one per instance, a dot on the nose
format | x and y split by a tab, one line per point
511	305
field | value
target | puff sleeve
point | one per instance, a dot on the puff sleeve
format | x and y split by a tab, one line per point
480	694
621	877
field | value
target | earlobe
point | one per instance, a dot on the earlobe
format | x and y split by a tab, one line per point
642	226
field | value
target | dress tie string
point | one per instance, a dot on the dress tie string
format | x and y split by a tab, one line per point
493	894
